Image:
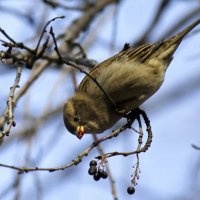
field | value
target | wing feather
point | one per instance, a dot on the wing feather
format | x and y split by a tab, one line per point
130	55
127	64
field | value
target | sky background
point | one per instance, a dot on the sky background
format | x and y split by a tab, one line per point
169	169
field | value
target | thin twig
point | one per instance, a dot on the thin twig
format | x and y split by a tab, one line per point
74	79
89	63
44	30
81	50
24	88
7	36
11	104
111	179
13	42
77	160
135	176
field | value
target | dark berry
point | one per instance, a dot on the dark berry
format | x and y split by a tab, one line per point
131	190
104	175
100	171
92	170
97	176
93	163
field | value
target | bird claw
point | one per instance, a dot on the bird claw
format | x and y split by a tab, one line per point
131	116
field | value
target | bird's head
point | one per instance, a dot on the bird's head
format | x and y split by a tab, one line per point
81	115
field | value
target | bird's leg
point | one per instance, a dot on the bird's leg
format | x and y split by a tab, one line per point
134	114
146	119
131	116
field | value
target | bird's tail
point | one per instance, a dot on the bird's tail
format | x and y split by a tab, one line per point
178	37
165	49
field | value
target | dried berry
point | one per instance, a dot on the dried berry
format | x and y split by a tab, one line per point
93	163
96	176
92	170
131	190
104	175
100	171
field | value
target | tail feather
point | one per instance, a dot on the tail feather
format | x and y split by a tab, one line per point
179	37
170	45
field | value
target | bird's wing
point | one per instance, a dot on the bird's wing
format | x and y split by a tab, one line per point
122	57
128	86
132	59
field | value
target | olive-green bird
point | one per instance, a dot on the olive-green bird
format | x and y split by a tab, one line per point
129	78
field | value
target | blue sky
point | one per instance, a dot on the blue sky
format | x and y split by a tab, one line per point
166	168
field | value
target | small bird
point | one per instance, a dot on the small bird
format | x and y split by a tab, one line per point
119	84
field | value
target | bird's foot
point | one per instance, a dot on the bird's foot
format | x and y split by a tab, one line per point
132	115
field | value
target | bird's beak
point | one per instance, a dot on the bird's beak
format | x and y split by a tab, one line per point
80	132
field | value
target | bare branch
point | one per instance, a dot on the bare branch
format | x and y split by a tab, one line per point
74	162
11	104
44	30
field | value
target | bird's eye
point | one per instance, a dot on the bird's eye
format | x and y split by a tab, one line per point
75	119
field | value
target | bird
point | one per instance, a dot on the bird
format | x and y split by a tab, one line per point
119	85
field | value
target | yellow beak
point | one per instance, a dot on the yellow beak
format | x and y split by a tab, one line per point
80	132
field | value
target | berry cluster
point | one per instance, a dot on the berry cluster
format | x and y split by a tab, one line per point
97	172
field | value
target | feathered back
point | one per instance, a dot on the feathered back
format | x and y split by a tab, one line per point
142	53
